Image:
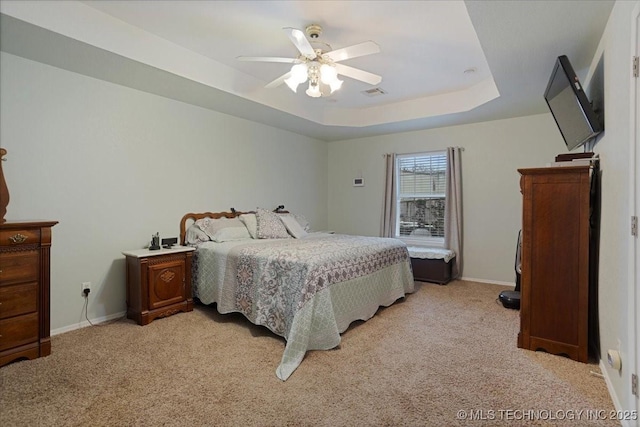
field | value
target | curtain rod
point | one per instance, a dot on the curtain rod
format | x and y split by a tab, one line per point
420	152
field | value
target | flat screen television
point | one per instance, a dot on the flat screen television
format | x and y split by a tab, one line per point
570	107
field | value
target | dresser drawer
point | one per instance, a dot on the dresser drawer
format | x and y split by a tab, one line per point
19	237
19	267
19	330
18	299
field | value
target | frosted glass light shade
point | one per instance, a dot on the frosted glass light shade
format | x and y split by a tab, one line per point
335	85
297	76
328	74
314	91
299	73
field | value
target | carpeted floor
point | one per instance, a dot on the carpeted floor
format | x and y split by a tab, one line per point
440	357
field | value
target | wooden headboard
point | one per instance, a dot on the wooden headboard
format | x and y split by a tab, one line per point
190	218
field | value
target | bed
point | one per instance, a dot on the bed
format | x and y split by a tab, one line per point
306	287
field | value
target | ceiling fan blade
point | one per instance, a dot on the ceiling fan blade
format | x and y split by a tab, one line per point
267	59
300	41
277	82
355	73
361	49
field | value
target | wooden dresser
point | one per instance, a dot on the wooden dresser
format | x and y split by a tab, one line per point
158	283
24	290
554	311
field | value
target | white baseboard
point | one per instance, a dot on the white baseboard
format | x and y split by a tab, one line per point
489	282
613	395
85	323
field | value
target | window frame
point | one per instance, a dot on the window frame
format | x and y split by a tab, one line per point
414	240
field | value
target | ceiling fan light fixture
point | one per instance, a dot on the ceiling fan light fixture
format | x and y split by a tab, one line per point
329	77
293	84
318	64
314	90
335	85
299	74
328	74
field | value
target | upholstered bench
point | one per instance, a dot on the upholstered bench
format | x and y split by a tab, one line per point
431	264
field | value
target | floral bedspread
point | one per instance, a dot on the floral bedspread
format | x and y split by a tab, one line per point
305	290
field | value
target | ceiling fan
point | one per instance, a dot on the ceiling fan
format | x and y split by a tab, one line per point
320	65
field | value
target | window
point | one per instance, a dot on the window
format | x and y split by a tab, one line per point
420	197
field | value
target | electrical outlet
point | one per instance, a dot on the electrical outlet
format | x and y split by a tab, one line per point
86	288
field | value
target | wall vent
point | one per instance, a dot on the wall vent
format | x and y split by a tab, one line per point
376	91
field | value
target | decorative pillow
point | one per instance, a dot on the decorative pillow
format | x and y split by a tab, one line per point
195	236
251	223
269	225
293	226
223	229
303	222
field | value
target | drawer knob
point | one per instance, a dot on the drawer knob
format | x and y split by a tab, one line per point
18	238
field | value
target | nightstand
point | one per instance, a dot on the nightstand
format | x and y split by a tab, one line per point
158	283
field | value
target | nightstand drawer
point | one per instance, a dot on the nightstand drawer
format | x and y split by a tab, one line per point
19	267
18	330
19	237
18	299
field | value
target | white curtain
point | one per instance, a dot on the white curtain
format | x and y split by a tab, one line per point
388	223
453	209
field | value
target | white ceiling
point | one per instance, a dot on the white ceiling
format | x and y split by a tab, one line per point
187	50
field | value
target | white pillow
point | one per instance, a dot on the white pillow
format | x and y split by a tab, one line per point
195	236
224	229
304	223
251	223
293	226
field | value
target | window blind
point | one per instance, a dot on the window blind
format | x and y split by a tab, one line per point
421	182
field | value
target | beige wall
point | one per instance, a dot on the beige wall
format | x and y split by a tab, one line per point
493	151
616	281
115	165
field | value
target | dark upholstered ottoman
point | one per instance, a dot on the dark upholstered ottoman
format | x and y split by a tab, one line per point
431	264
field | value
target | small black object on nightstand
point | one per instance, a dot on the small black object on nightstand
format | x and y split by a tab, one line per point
168	243
155	242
